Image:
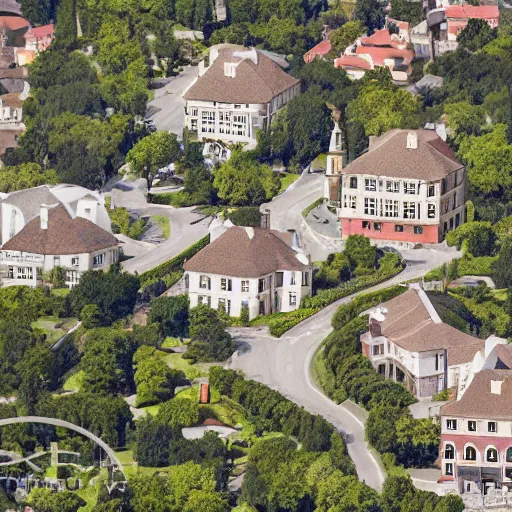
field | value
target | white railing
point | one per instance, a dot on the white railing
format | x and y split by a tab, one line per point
22	258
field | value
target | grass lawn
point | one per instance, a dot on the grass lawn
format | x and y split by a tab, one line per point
177	362
171	342
131	467
90	492
164	224
499	295
287	179
60	292
75	382
54	327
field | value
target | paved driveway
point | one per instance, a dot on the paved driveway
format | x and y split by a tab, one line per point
167	109
284	365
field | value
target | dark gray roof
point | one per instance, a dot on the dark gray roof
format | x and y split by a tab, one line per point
29	201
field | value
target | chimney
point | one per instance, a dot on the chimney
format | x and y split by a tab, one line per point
496	387
44	216
412	140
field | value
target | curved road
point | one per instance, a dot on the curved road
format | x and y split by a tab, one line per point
284	364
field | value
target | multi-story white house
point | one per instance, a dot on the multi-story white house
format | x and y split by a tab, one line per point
237	94
408	187
255	268
408	342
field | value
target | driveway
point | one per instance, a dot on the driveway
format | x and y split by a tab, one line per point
167	109
284	365
187	228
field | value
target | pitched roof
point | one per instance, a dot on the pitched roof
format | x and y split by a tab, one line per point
352	61
379	55
10	6
378	38
479	402
254	82
389	156
11	99
13	22
64	235
409	324
321	49
504	354
472	11
29	201
245	252
44	30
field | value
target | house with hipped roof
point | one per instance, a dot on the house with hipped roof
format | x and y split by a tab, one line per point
238	92
254	268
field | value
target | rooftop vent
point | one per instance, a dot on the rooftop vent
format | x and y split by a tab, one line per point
412	140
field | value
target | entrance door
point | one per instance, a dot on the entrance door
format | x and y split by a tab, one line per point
262	307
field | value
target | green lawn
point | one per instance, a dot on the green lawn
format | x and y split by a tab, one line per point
61	292
164	224
177	362
54	327
75	382
171	342
287	179
499	295
131	467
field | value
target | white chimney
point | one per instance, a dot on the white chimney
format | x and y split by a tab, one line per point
412	140
496	387
44	216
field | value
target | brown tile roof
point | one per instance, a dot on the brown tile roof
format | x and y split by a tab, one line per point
479	402
504	353
235	253
253	83
388	156
64	235
11	99
13	22
8	139
10	7
15	73
409	325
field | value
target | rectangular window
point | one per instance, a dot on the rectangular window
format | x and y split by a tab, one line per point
225	305
377	226
431	191
98	260
193	111
204	299
74	261
455	200
262	285
292	278
431	211
205	283
293	299
451	424
72	276
370	185
393	186
245	286
353	182
365	224
409	187
378	350
472	426
225	284
239	125
409	210
448	469
418	230
492	426
391	208
369	205
279	279
349	202
399	228
305	278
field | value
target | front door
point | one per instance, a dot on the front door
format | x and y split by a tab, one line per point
262	307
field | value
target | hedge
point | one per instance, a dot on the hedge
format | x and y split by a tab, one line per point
312	206
246	216
175	264
468	266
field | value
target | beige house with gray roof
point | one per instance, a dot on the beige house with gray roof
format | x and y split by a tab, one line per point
236	94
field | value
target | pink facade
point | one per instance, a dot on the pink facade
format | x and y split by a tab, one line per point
388	231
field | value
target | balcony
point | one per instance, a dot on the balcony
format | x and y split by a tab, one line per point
11	257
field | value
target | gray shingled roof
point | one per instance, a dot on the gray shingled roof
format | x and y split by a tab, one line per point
29	201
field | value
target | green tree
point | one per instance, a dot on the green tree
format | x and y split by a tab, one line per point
25	176
179	412
407	11
243	11
185	12
243	181
65	29
91	316
476	34
46	500
344	36
464	119
152	153
397	490
371	14
360	252
477	238
152	446
171	313
206	501
501	268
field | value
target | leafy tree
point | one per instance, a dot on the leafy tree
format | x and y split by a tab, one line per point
464	119
344	36
380	428
243	11
360	252
501	268
332	271
46	500
152	153
38	12
243	181
66	29
171	313
478	238
397	490
152	447
476	34
206	501
180	412
91	316
371	14
282	35
25	176
149	493
407	11
210	448
185	12
115	294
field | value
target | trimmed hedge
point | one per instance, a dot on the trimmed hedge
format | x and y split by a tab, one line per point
246	216
175	264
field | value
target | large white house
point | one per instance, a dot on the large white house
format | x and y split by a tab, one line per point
249	267
54	226
237	94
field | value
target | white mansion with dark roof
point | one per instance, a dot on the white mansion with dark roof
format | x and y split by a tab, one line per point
54	226
236	94
248	267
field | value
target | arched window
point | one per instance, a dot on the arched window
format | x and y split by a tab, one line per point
491	455
509	454
449	451
469	453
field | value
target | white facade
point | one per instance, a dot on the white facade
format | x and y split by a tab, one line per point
276	292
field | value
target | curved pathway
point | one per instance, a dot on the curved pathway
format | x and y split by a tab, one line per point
284	364
61	423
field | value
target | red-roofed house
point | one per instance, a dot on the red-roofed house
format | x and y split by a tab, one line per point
320	50
379	49
39	38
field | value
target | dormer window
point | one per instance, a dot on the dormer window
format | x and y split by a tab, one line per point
230	69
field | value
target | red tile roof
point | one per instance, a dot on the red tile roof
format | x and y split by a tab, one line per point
404	25
38	32
379	55
467	11
352	61
320	50
379	38
13	22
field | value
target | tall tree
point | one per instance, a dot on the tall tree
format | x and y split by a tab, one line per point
371	14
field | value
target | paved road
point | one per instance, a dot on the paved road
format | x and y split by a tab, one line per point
284	364
167	109
183	235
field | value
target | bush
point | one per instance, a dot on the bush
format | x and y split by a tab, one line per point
442	396
246	216
477	237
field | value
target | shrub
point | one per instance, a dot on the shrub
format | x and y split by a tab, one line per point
442	396
470	211
246	216
478	238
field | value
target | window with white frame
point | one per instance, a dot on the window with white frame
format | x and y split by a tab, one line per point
245	286
491	455
225	305
449	451
353	182
239	125
492	426
292	278
349	201
472	426
391	208
393	186
305	278
205	282
293	299
409	187
225	284
470	453
193	111
409	210
369	205
204	299
448	469
72	276
431	191
225	122
370	184
431	211
207	121
451	424
98	260
74	261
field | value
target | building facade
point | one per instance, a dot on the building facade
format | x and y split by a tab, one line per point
40	38
409	187
264	274
236	95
